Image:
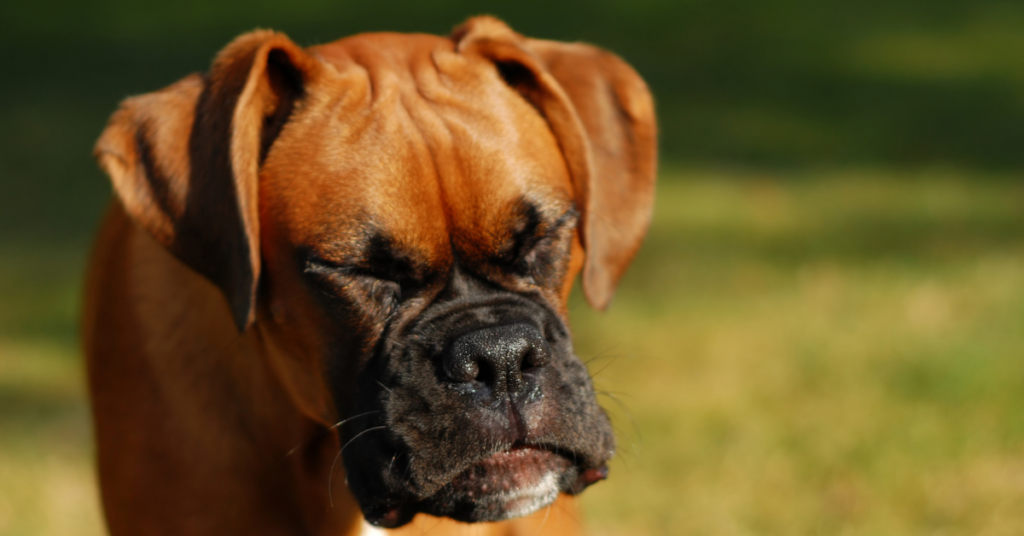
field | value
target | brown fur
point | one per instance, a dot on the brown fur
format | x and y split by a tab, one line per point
211	413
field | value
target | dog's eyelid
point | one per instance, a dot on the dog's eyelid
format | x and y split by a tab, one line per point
351	270
550	228
569	218
318	266
547	231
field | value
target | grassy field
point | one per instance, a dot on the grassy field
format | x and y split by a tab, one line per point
833	353
838	351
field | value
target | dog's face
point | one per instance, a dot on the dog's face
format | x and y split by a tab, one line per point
437	269
414	214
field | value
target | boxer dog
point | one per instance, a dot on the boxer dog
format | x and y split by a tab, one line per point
333	284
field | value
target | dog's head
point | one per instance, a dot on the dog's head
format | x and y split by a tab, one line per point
401	218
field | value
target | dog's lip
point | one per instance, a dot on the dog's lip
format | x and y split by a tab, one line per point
513	476
505	471
390	516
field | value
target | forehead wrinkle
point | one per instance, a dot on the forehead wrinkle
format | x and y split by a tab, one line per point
367	177
421	103
444	148
409	202
503	147
400	72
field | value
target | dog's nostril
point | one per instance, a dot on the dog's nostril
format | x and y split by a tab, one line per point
497	356
536	356
465	371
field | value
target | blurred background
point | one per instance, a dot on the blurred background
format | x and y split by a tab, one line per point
824	333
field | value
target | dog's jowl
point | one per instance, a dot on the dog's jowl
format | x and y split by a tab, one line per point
333	284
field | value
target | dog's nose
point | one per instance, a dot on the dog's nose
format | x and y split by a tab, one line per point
497	356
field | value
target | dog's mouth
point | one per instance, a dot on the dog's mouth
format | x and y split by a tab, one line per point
507	484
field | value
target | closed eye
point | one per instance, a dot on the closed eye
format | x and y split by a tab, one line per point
325	268
536	245
354	285
378	256
532	232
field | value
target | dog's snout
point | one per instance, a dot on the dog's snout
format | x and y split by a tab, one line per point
497	356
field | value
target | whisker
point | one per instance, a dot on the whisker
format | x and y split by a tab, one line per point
608	364
565	511
438	524
603	355
622	405
635	438
408	467
339	423
330	478
547	512
325	430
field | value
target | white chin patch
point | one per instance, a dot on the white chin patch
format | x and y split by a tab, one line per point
370	530
528	500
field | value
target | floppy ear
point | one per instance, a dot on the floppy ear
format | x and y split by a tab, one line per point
602	114
185	160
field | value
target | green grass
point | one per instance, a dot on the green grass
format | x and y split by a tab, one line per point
833	353
840	355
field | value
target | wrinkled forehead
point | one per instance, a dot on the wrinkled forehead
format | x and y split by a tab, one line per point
412	140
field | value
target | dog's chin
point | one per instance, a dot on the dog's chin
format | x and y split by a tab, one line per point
508	484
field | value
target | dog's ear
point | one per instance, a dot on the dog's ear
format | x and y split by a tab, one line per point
185	160
602	115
